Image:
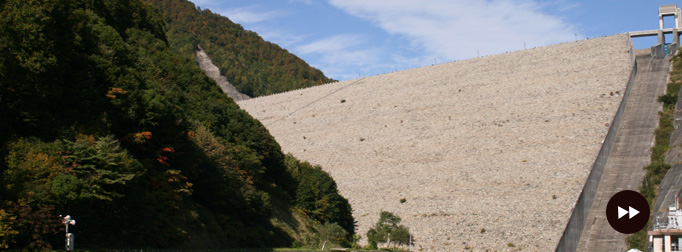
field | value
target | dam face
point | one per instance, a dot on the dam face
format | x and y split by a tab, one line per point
489	153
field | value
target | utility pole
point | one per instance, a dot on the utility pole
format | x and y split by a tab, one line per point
69	236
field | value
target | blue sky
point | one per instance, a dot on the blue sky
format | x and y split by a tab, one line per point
350	38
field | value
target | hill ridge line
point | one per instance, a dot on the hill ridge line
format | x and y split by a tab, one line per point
438	64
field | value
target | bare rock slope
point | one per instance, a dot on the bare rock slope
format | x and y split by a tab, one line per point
489	153
213	72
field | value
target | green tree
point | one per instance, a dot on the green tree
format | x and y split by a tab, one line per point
401	235
332	233
317	195
98	169
254	66
103	121
388	227
38	225
8	226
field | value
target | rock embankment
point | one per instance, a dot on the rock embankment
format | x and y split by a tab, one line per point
213	72
489	153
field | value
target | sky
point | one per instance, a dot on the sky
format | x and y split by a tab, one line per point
347	39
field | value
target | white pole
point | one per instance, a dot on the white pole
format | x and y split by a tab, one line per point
67	237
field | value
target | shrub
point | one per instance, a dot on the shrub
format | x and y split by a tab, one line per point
388	227
333	233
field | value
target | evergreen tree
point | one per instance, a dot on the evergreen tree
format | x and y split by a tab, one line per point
254	66
103	121
388	227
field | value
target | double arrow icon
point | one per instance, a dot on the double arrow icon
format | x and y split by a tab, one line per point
629	203
631	211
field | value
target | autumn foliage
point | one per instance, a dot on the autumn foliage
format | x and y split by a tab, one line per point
102	120
254	66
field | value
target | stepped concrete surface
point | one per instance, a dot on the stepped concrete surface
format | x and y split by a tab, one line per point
213	72
630	153
490	153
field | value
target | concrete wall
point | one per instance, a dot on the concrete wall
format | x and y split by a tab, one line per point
670	188
672	48
571	236
671	185
658	51
671	156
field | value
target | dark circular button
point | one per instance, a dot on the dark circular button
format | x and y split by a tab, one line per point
627	211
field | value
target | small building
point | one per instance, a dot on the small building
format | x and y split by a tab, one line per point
667	237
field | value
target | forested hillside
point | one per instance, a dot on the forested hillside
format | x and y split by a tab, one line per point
101	120
254	66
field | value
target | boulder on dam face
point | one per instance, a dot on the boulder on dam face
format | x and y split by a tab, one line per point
500	143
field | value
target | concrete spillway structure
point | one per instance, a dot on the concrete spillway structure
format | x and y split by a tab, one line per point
489	153
660	49
629	154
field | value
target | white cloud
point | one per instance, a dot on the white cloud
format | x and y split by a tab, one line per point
280	37
560	5
451	30
247	15
343	56
348	49
308	2
332	44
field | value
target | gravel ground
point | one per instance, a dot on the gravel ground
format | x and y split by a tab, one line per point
490	153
